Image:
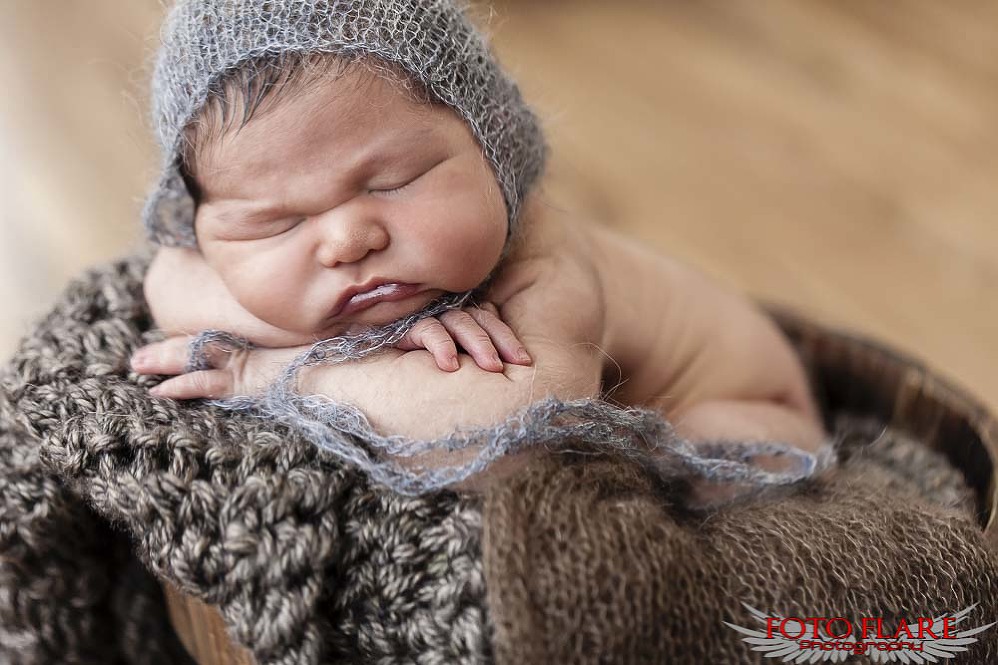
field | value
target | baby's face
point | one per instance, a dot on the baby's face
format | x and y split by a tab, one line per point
342	188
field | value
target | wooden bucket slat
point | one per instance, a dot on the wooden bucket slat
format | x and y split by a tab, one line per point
202	631
854	374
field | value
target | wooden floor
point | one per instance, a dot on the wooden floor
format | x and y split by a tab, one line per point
839	157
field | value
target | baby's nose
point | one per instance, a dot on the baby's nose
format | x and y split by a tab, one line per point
343	240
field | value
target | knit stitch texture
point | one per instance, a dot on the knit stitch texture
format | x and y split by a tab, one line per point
308	562
601	554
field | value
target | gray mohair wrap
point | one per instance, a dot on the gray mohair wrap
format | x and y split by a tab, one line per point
432	40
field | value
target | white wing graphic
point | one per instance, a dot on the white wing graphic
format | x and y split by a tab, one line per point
786	649
934	648
790	651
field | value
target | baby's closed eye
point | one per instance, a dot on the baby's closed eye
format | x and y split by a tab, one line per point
389	183
269	228
245	225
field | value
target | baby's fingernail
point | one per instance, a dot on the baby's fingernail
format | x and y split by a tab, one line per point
139	359
523	356
452	363
156	391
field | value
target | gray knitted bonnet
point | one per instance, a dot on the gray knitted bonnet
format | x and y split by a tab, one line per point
432	40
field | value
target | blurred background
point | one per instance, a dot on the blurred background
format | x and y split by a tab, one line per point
841	158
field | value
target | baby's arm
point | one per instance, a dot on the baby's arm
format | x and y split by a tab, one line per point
185	296
705	357
402	393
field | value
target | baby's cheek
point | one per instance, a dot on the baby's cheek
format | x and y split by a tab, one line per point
467	241
272	293
463	261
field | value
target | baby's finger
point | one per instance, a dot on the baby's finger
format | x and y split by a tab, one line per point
166	357
505	340
487	305
466	331
206	384
429	334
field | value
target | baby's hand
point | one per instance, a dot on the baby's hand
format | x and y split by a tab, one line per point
233	371
479	331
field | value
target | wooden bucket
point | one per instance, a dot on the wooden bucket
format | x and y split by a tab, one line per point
851	374
202	631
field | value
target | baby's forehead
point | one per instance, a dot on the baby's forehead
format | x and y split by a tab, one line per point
328	139
352	105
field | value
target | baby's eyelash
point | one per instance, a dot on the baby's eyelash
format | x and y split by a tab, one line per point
395	190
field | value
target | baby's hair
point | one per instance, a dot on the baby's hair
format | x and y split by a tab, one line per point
259	85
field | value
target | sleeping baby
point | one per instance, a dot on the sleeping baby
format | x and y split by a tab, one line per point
349	168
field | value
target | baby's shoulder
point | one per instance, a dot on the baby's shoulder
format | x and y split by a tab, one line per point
553	291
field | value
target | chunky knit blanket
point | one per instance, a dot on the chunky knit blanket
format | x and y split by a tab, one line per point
307	561
105	492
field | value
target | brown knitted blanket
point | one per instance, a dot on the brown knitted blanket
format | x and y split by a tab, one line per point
594	561
104	492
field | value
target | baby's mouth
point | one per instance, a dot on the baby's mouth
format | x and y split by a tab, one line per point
389	292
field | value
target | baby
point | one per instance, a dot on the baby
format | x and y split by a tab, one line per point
332	168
